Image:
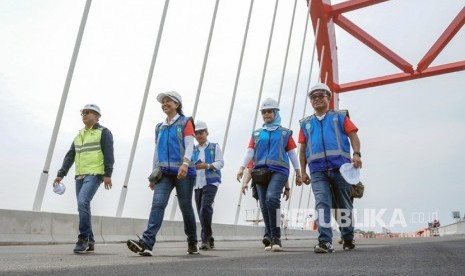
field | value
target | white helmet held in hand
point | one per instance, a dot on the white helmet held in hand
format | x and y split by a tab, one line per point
269	103
320	86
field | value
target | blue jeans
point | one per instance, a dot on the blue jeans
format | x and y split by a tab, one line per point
161	195
204	199
85	191
270	203
326	186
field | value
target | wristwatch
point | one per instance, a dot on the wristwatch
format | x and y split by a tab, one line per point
358	153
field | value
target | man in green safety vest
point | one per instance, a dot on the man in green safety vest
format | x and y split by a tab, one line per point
92	153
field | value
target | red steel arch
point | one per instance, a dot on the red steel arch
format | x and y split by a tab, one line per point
333	14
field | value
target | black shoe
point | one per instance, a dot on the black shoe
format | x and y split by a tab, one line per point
139	247
205	246
91	247
267	243
81	245
276	245
348	245
211	242
192	247
324	247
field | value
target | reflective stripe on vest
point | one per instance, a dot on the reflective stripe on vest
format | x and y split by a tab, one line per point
170	146
89	155
270	147
212	176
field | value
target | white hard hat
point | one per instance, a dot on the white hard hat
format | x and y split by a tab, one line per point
172	95
269	103
320	86
93	107
350	173
200	125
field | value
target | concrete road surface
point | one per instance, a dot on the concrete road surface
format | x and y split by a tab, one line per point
413	256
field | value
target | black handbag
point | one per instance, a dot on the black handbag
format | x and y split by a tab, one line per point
156	176
261	176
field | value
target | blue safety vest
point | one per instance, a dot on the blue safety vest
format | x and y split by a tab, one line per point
212	176
171	147
328	145
270	149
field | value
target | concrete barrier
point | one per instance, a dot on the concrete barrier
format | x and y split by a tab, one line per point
30	227
457	228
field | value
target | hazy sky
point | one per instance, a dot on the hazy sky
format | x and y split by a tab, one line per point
412	133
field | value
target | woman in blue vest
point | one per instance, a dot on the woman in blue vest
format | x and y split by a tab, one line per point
208	160
174	146
271	147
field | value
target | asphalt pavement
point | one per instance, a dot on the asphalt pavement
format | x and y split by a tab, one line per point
401	256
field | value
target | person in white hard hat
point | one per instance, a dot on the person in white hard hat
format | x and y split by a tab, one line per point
271	147
174	145
208	159
325	138
92	154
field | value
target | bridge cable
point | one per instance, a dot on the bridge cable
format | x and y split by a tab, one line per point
37	205
259	96
199	90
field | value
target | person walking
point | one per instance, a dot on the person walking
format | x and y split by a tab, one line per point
92	154
208	159
271	147
324	138
245	186
174	146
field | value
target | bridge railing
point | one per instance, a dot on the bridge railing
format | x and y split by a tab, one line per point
457	228
32	227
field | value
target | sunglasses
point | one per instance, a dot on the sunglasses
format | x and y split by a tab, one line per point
267	111
317	96
85	112
198	132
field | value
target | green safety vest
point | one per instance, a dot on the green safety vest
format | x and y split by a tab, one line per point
89	155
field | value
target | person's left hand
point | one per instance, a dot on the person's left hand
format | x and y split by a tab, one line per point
182	172
286	194
357	160
107	182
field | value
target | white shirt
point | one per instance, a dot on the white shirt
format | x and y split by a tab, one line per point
201	180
